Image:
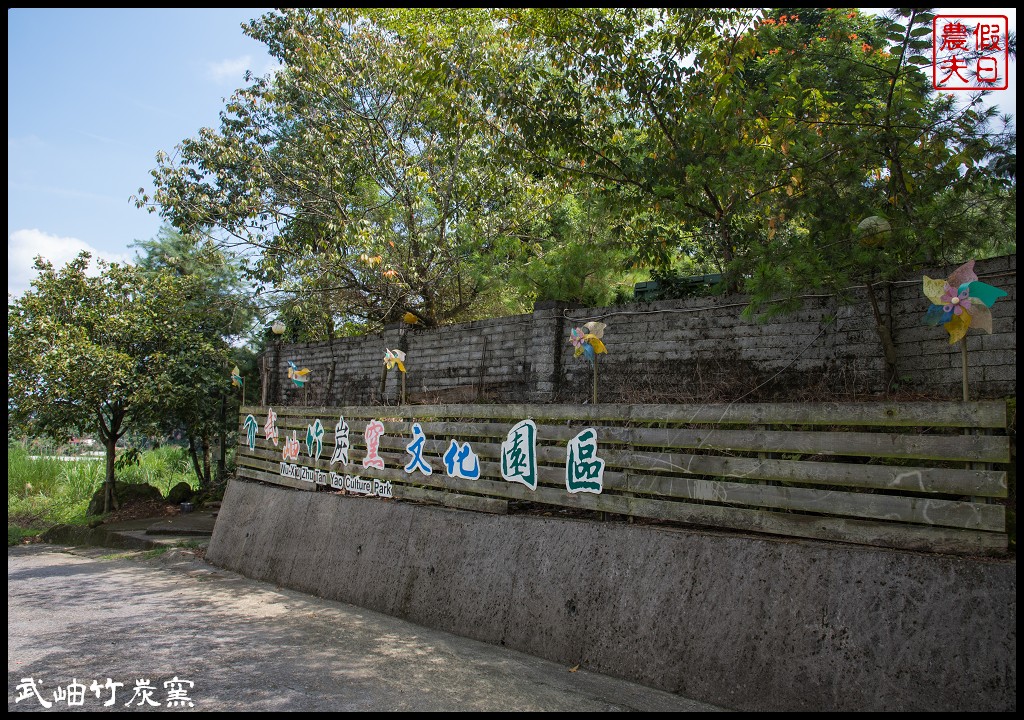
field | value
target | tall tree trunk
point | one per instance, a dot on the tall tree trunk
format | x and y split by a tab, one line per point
883	328
207	460
108	432
109	494
195	459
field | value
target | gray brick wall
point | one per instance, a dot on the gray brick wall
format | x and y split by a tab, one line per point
693	350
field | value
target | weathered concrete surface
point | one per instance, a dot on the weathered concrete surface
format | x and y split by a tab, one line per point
742	622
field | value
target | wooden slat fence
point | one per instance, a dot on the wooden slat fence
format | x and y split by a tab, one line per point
920	476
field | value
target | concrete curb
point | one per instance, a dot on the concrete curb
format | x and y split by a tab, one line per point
143	534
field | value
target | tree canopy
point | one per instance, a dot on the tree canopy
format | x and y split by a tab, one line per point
217	310
450	163
352	175
105	352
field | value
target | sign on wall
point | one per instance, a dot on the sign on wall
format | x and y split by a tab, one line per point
584	469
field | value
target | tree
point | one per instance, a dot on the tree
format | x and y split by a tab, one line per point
99	351
352	176
752	141
607	99
219	310
415	160
569	255
875	140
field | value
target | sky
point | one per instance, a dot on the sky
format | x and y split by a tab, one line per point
94	94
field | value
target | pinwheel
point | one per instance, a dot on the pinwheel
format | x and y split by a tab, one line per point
587	340
393	358
960	302
238	381
299	377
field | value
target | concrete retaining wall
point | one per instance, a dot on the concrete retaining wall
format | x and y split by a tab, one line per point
744	622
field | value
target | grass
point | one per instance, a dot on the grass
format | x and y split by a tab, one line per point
137	554
42	492
156	552
162	468
45	491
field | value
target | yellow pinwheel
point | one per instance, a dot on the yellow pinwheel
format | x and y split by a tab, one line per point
299	377
393	358
587	340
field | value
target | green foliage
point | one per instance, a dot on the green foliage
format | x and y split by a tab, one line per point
197	398
217	289
457	162
752	145
129	458
42	492
865	135
127	348
355	174
611	108
570	255
45	491
82	351
671	284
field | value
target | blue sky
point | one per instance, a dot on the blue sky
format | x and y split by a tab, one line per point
93	95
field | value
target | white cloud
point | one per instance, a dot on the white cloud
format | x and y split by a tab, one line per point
231	69
24	245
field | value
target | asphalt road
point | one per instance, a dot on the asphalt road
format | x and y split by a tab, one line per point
79	616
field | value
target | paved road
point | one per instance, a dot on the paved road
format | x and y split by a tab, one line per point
78	615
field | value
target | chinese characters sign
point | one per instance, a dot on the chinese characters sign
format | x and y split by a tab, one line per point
970	52
584	470
516	456
519	454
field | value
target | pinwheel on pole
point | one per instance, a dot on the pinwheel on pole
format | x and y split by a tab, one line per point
393	359
959	303
300	378
238	381
588	342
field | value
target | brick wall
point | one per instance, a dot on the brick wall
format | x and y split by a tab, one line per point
694	350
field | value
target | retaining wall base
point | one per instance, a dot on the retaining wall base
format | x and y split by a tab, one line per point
744	622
